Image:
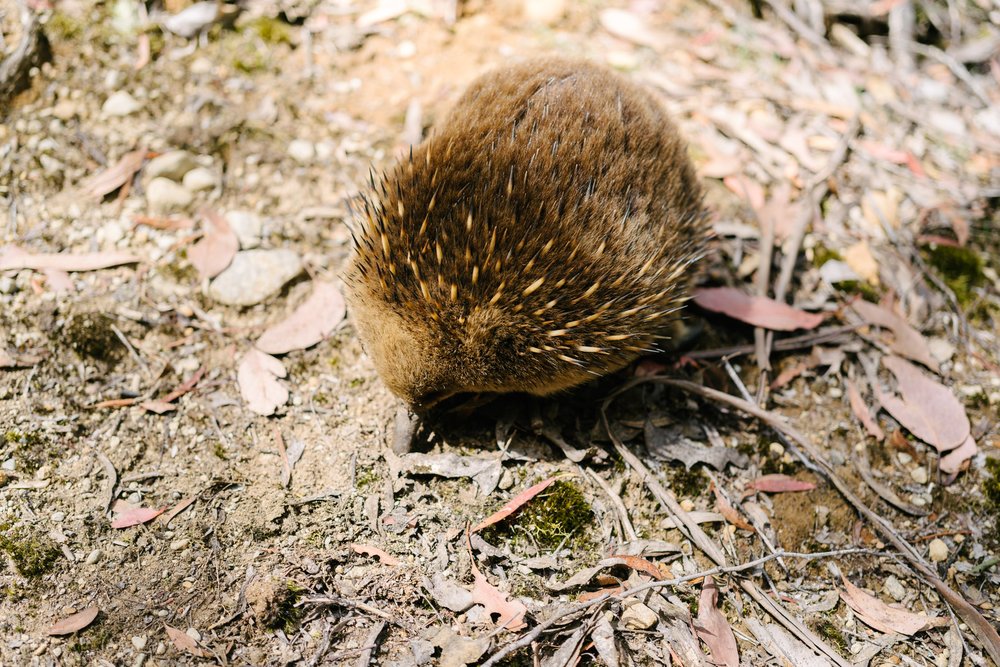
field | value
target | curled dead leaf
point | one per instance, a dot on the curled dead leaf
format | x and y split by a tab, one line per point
74	622
310	323
756	310
882	617
257	377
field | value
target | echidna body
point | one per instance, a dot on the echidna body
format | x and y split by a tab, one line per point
543	235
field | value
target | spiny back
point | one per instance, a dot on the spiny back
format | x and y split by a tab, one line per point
542	235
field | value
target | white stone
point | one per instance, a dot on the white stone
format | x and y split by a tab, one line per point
302	151
941	349
94	556
178	545
247	226
139	642
120	103
254	275
543	11
164	196
200	178
894	588
919	475
937	550
639	617
172	165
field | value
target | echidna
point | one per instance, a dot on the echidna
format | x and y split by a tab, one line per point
543	235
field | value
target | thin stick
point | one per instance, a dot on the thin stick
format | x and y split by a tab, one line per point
981	628
616	500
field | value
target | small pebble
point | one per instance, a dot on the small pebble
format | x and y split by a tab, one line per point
919	475
776	449
139	642
302	151
57	517
199	178
937	550
254	275
172	164
94	556
120	103
177	545
193	634
164	196
247	226
639	617
687	505
894	588
904	458
6	285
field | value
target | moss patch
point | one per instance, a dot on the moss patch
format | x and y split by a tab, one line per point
30	450
960	268
32	556
991	491
557	515
91	335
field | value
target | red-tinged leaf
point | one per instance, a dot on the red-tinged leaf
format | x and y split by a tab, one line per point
860	410
638	564
779	484
882	152
74	622
157	406
514	504
184	642
926	408
953	460
375	552
216	249
712	627
135	516
13	258
756	310
257	376
177	509
115	176
586	596
511	612
907	341
58	281
727	510
309	324
631	27
747	190
882	617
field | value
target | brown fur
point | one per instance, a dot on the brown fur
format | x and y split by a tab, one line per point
543	235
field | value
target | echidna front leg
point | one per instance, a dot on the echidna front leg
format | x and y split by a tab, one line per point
405	430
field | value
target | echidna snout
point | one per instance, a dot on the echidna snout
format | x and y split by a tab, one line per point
543	235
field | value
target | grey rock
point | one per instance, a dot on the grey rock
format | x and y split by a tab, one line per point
200	178
164	195
120	103
247	226
254	275
172	164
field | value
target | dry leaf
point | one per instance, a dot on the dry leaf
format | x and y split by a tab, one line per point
712	627
514	504
630	27
177	509
907	341
926	408
953	460
727	510
747	190
859	257
13	258
367	550
311	322
257	377
636	563
511	612
74	622
114	177
184	642
882	617
860	410
133	516
756	310
779	484
216	249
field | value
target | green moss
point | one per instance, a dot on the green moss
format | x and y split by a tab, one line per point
180	272
270	30
95	639
960	268
687	483
829	631
91	335
31	450
32	556
557	515
991	492
284	614
860	287
220	451
366	478
62	27
822	255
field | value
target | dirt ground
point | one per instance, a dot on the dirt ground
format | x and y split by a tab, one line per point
351	555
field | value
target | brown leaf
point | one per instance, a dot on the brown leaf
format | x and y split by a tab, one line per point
953	460
514	504
712	627
907	341
114	177
861	260
727	510
134	516
511	612
630	27
636	563
177	509
747	190
74	622
375	552
927	408
157	406
216	249
184	642
756	310
860	410
257	377
13	258
311	322
779	484
882	617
